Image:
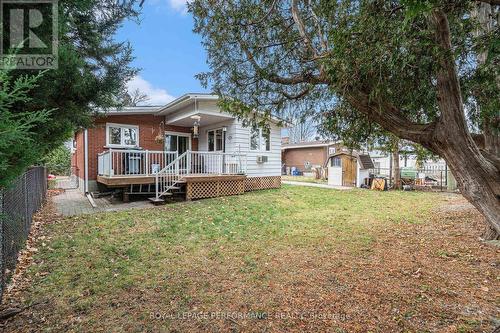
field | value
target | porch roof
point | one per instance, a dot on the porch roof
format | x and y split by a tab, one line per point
205	118
186	117
183	101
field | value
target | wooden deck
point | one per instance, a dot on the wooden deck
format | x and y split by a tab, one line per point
122	181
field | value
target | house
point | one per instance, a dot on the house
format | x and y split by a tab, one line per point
304	155
188	144
346	168
383	162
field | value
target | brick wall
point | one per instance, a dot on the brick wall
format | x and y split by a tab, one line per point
149	128
297	157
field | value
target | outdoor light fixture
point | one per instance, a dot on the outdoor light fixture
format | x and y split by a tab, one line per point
224	128
196	126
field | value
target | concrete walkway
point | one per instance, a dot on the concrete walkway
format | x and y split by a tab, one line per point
331	187
73	202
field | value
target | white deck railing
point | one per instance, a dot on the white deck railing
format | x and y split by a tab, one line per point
193	163
133	162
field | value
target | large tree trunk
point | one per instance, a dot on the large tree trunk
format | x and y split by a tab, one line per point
395	167
477	171
478	177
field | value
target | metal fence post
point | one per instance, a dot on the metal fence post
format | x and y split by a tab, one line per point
441	181
2	261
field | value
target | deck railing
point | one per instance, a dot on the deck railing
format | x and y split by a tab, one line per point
203	162
133	162
198	163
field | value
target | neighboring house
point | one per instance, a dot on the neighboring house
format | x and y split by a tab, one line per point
305	155
349	168
383	162
188	143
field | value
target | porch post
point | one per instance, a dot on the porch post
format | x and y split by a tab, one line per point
147	163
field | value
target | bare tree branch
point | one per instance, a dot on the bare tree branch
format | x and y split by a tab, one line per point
263	18
391	118
275	78
301	28
491	2
321	36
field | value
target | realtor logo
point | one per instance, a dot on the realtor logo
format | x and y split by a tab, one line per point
29	34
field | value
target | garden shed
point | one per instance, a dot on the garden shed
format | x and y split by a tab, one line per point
348	168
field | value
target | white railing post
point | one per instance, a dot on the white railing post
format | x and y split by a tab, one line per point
188	167
100	164
157	185
147	163
110	152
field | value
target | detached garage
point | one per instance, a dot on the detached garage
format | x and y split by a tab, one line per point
348	169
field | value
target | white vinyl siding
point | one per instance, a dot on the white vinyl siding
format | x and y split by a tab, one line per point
238	141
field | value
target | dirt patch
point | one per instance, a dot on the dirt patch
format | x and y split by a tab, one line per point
455	203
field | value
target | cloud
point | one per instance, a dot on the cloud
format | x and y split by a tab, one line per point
157	96
178	5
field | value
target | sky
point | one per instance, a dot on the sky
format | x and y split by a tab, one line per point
167	51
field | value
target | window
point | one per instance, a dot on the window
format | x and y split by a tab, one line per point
179	142
216	140
254	138
332	150
259	139
122	135
335	162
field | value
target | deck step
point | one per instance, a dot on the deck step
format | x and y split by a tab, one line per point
156	201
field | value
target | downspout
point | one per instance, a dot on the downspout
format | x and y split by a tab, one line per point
86	161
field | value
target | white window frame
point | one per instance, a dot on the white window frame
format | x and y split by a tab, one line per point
184	134
121	126
215	140
261	140
336	158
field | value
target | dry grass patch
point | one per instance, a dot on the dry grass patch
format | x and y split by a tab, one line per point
300	259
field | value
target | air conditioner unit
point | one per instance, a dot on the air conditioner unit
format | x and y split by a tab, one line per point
261	159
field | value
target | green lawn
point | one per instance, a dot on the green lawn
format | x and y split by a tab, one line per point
296	248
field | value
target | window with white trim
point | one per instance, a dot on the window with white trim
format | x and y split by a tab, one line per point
335	162
259	139
118	135
216	140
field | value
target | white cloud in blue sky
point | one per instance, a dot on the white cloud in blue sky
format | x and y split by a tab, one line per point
157	96
178	5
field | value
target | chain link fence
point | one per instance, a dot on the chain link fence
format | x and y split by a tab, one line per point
18	203
424	179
